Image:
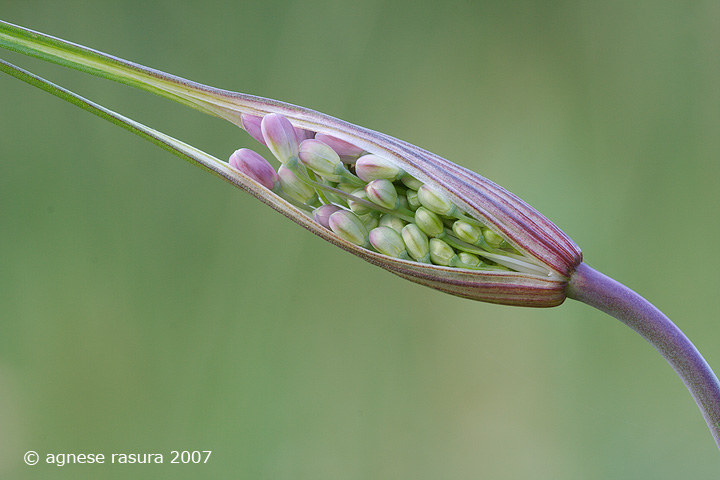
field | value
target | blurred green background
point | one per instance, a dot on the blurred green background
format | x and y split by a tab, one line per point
148	307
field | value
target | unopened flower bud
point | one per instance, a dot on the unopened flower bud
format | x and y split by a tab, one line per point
373	167
411	182
492	238
416	243
388	220
303	134
294	187
412	199
382	192
466	232
254	166
469	259
347	151
357	207
440	252
429	222
402	203
322	214
251	124
349	227
370	220
319	158
387	241
435	201
280	137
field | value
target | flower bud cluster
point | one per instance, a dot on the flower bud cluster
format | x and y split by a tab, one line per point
369	201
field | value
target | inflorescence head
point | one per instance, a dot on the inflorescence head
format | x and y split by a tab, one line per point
371	202
493	247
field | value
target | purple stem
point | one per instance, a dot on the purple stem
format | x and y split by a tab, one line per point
602	292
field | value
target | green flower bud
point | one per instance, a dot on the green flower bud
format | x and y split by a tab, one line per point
294	187
411	182
402	203
429	222
319	158
373	167
466	232
387	241
382	192
357	207
413	200
435	201
470	259
348	226
416	243
492	238
441	253
388	220
325	161
370	220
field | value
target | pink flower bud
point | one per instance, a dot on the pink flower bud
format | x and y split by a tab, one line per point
251	124
280	137
322	214
347	151
254	166
303	134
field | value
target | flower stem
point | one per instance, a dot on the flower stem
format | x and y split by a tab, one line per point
602	292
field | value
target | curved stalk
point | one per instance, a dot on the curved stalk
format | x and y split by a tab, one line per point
602	292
